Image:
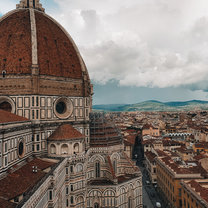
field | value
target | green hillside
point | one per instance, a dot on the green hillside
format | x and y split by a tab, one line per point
153	105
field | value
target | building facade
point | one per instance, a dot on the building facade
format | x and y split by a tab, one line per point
53	151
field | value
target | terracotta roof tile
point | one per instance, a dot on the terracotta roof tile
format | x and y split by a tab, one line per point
23	179
5	204
150	155
15	40
65	132
199	188
7	117
56	53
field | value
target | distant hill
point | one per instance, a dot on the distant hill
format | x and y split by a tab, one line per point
154	105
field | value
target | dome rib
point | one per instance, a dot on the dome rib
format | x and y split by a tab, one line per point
38	49
83	66
42	43
34	39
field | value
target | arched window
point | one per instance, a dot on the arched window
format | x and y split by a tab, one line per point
80	202
79	168
53	149
122	197
109	199
76	148
64	149
4	73
72	200
34	3
115	166
96	205
97	169
130	202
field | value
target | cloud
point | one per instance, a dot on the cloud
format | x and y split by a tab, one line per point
148	43
6	6
142	43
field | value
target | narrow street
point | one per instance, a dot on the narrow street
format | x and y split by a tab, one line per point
150	195
146	200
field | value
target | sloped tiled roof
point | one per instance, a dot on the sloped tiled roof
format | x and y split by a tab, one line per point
200	188
5	204
7	117
150	155
65	132
111	167
23	179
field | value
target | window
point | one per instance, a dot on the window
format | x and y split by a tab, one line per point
130	203
76	148
33	101
109	199
180	203
33	114
21	149
80	202
97	169
38	147
5	147
50	195
72	199
67	203
6	106
37	137
72	188
53	149
5	161
37	101
71	169
4	73
96	205
79	168
67	171
87	112
67	190
64	149
114	166
179	191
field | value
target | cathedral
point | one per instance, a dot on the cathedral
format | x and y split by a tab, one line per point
54	151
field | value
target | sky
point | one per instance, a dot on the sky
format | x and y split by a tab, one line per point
137	50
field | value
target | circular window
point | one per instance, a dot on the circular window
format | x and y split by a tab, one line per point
21	149
63	107
6	106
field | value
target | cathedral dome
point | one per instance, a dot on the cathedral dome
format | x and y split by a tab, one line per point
33	43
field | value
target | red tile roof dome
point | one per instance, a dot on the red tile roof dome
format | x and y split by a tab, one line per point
29	39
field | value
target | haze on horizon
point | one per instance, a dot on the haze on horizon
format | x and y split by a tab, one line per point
138	50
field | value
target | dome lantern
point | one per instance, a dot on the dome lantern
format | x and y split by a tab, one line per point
35	4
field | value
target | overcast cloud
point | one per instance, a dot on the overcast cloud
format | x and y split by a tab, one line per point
142	43
148	43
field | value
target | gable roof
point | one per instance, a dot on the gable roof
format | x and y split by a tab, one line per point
65	132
